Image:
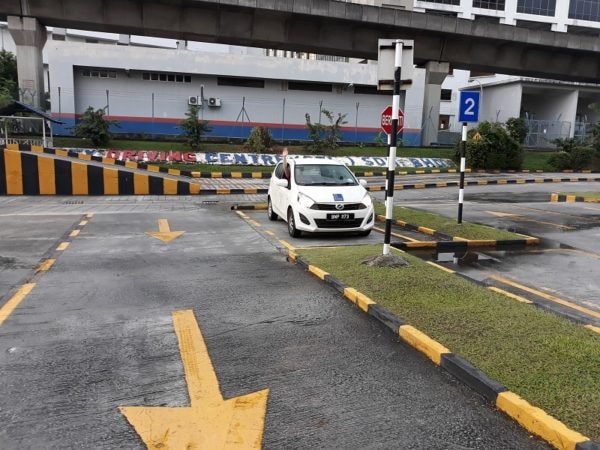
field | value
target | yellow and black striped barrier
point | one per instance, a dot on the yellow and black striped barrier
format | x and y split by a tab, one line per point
567	198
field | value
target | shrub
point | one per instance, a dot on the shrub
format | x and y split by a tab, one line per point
517	129
194	129
260	140
325	136
93	126
574	155
490	147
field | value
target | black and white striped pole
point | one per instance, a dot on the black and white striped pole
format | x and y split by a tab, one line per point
391	171
463	160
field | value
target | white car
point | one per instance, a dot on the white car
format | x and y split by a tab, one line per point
321	196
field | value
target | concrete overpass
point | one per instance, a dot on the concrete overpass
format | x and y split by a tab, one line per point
331	27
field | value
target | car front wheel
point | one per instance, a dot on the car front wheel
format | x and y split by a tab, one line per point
270	213
294	232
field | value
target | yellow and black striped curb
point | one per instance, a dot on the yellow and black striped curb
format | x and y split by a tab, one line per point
24	173
454	242
254	207
534	419
555	198
445	184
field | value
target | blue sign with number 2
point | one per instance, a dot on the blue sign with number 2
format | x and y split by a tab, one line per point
468	107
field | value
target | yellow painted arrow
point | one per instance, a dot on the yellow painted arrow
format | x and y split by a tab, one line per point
164	232
210	421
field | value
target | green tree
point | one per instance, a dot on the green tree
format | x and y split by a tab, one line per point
574	154
489	147
193	128
260	140
517	128
325	137
94	127
9	87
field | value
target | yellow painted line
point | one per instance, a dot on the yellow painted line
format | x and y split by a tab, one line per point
420	186
422	244
571	198
83	223
539	180
250	191
254	222
398	235
89	215
510	295
292	256
502	182
432	349
222	191
442	184
236	174
593	328
174	172
74	233
287	245
426	230
520	181
270	233
210	421
14	301
14	173
538	421
111	181
169	186
350	294
79	178
445	269
481	242
46	265
141	184
256	174
319	273
552	298
242	214
194	188
482	182
46	176
216	175
62	246
556	180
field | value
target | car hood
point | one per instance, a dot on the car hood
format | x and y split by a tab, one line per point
330	194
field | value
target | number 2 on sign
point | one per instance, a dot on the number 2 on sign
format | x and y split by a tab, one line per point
470	107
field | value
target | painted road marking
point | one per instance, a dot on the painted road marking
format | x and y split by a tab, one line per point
510	295
287	245
62	246
45	266
269	232
254	222
593	328
552	298
74	233
164	232
518	218
398	235
445	269
210	421
83	223
14	301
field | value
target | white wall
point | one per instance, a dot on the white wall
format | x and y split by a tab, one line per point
500	102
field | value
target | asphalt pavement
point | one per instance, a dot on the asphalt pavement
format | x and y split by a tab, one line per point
96	333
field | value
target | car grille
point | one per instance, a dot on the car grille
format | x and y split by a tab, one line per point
322	223
330	207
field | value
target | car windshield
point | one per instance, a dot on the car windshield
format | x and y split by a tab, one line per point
323	175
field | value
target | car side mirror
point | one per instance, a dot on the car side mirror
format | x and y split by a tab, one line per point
363	182
281	182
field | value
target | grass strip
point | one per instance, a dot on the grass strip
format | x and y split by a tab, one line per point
447	225
551	362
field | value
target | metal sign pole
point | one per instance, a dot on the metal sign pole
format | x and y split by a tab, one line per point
463	159
391	171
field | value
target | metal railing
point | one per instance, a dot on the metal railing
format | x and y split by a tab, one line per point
542	133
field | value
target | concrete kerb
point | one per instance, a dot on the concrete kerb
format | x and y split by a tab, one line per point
451	243
533	419
563	198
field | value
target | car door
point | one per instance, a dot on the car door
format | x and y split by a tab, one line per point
277	191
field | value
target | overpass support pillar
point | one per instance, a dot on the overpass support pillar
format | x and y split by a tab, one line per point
29	36
435	73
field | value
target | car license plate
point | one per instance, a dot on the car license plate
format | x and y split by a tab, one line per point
340	216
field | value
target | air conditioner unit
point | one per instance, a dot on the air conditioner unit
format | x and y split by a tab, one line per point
194	100
214	101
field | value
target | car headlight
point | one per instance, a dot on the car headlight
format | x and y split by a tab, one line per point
305	201
367	201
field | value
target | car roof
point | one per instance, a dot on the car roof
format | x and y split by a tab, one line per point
321	161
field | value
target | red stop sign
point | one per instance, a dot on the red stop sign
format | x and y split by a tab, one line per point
386	120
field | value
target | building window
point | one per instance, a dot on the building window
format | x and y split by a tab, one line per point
585	10
446	95
98	73
497	5
86	73
445	2
537	7
444	122
370	90
241	82
167	77
304	86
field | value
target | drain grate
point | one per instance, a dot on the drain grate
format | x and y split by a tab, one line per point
73	202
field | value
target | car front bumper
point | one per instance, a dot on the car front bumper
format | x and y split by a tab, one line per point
363	220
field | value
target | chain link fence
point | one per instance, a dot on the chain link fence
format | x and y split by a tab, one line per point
542	133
